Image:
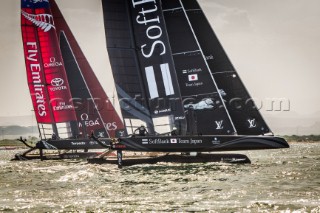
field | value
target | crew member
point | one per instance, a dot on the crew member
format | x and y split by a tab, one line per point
174	131
54	136
141	130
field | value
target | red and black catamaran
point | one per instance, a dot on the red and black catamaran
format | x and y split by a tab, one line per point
68	100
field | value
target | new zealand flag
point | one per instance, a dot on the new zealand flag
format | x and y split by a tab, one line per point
35	4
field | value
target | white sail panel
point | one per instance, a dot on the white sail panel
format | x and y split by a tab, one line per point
152	84
167	80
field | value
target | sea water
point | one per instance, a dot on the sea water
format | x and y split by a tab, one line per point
284	180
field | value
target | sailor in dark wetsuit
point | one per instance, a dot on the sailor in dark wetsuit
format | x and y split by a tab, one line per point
142	131
174	131
54	136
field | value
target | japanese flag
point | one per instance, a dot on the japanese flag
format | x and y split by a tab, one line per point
173	140
193	77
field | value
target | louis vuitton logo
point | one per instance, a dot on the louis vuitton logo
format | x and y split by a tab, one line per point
219	124
252	123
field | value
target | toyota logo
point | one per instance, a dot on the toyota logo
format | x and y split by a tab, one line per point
57	82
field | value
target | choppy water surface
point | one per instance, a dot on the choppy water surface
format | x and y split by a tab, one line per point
285	180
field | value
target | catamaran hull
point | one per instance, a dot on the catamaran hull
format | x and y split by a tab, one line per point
199	143
74	144
63	149
189	144
53	156
174	158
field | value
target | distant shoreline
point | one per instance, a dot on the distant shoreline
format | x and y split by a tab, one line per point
7	144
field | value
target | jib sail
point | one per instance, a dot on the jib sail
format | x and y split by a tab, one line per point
95	112
142	64
243	111
47	79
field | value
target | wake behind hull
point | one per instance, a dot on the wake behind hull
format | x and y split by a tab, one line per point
199	143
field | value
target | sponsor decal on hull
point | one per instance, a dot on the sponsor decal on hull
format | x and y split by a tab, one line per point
166	141
173	140
145	141
78	143
216	141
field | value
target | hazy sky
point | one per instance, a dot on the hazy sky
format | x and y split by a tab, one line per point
274	45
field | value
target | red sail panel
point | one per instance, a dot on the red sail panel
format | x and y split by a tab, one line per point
57	87
56	79
35	70
111	120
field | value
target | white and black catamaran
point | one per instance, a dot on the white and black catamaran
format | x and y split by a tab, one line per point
172	73
68	100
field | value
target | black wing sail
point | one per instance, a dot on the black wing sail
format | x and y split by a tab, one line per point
85	107
141	62
244	113
198	88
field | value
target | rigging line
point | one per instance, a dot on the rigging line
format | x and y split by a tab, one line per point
122	48
193	10
85	82
172	9
211	93
114	102
113	95
183	53
196	39
223	72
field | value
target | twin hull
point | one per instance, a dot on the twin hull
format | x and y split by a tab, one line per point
173	144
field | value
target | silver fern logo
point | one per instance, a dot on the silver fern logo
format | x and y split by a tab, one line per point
43	21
